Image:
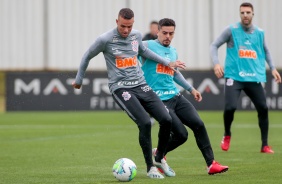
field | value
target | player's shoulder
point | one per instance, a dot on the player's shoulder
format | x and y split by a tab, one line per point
234	25
173	48
259	29
108	34
135	31
135	35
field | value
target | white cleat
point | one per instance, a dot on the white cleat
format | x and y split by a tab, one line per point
164	166
154	173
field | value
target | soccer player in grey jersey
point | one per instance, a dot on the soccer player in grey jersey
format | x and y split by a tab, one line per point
120	47
244	70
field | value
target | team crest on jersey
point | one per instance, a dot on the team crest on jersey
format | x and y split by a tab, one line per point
134	44
126	96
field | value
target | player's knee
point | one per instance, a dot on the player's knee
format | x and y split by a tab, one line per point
263	111
165	119
200	126
230	109
183	137
145	125
264	108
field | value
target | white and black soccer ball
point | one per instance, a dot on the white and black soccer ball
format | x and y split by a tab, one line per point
124	169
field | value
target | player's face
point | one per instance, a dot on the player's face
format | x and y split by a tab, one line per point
166	34
154	29
124	26
246	15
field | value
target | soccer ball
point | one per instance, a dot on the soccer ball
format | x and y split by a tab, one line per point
124	169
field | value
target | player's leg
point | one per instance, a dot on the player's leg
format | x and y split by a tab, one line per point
232	93
179	133
256	93
127	100
188	115
152	103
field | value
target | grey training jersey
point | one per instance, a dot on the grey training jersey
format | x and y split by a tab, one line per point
120	53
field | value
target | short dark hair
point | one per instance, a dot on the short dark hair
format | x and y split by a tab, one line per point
166	22
154	22
126	13
246	4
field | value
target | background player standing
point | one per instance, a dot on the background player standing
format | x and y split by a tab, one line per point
244	70
152	35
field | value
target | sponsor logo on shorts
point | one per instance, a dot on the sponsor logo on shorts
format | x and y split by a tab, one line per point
247	54
126	96
162	69
146	88
126	62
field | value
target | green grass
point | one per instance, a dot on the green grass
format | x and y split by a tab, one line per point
81	147
2	92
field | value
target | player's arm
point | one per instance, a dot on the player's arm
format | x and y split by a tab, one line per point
225	36
268	59
94	50
180	80
141	58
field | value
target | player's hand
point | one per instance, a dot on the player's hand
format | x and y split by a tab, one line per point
76	86
197	95
218	70
276	76
177	64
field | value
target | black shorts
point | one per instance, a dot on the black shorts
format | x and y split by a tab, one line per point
139	101
253	90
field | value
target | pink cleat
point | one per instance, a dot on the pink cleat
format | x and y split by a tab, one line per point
225	143
267	149
216	168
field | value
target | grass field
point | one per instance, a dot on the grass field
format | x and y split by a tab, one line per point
81	147
2	92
